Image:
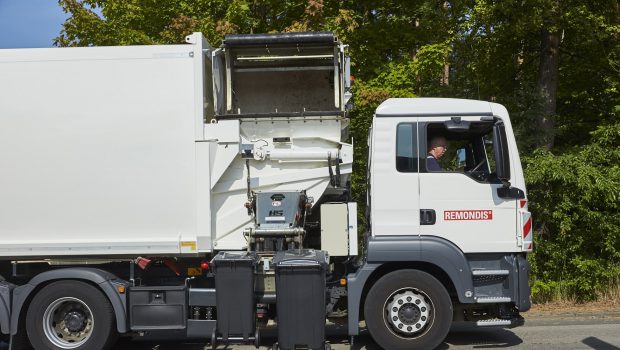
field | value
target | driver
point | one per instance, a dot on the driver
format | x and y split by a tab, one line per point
437	147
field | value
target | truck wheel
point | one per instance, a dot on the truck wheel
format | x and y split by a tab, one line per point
407	310
70	315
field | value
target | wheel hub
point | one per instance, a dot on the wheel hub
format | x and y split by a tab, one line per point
408	312
75	321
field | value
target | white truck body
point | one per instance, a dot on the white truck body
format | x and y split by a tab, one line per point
111	151
98	150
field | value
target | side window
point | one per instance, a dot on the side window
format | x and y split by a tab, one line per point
407	148
467	151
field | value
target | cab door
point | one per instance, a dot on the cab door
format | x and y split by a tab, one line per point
394	183
463	196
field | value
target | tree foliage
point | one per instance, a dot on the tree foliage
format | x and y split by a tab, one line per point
554	64
576	196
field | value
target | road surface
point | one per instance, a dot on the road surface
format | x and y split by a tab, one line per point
563	332
593	331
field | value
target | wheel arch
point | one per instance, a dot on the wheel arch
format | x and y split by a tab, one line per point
6	289
437	254
434	255
387	268
103	280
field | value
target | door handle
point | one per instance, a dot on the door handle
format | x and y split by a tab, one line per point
427	217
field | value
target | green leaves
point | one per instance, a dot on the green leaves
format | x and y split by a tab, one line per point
576	200
136	22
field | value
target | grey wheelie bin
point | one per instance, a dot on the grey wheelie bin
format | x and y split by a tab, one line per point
234	292
300	299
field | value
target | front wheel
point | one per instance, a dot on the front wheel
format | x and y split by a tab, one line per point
70	315
408	310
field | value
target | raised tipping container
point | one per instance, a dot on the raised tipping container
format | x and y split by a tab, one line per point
234	293
300	298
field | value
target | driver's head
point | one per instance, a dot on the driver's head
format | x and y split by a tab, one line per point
438	146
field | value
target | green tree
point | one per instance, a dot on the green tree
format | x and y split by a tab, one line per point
136	22
576	197
553	64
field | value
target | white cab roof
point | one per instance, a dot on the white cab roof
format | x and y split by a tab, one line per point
429	106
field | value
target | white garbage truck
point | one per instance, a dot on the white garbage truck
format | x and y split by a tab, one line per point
199	193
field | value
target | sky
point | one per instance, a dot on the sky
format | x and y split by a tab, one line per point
29	23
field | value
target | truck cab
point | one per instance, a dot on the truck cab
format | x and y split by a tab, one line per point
446	242
464	202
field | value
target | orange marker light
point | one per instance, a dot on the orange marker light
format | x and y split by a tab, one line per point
343	281
120	289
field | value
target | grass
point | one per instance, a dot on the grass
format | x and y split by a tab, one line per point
612	295
607	301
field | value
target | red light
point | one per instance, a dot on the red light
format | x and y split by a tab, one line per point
204	265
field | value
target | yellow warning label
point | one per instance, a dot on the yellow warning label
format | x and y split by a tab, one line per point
194	271
188	244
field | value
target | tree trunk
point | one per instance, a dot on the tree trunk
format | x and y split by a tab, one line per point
445	77
548	83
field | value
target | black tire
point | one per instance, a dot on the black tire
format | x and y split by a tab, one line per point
416	287
84	306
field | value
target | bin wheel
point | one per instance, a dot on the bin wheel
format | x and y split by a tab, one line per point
214	339
275	346
257	338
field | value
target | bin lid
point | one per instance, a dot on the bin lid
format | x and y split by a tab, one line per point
308	257
225	257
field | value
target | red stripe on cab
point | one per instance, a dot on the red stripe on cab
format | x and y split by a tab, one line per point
527	228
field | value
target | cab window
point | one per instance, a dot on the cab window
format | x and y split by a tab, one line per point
407	148
469	152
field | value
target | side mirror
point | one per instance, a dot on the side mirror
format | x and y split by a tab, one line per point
500	149
510	193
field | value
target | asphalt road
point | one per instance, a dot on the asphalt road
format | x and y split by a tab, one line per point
563	332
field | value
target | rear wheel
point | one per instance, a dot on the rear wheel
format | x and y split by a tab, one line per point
70	315
407	310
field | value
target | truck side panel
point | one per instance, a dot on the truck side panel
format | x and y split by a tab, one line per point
103	160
